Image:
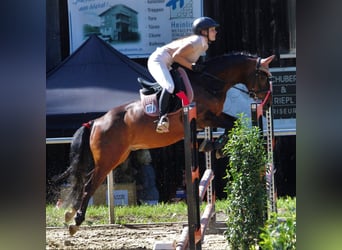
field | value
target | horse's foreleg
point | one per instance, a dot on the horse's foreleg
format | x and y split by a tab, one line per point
226	121
219	121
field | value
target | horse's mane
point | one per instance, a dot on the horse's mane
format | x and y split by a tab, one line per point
218	63
233	54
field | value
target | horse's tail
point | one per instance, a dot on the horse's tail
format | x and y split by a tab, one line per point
61	177
81	164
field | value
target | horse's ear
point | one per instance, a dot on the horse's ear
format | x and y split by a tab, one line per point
266	61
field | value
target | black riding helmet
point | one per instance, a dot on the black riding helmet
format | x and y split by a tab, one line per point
203	23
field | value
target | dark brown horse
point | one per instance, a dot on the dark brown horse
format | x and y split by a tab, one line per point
104	143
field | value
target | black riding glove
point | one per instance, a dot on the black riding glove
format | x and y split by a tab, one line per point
197	67
175	65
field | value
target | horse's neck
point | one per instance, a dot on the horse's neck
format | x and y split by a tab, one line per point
226	80
230	69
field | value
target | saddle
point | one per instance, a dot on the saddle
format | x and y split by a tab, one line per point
150	93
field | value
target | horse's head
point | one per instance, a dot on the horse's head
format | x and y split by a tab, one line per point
258	82
241	68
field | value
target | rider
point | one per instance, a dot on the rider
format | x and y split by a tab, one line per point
184	51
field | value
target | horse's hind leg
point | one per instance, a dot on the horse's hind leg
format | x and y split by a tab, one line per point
108	149
70	214
97	178
80	213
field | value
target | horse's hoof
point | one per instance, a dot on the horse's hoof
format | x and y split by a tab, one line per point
69	215
73	229
219	154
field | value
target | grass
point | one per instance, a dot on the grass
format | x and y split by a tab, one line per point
99	215
163	212
286	207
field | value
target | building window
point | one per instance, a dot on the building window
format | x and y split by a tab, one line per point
292	25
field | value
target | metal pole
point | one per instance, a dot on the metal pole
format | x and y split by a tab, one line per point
210	190
270	166
110	195
257	110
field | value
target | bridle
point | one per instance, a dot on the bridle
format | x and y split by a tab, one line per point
258	71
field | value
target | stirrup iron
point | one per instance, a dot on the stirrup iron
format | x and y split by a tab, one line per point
163	124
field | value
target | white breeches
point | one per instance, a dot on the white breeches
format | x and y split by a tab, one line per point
159	64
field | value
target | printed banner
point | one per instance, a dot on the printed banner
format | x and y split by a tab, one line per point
133	27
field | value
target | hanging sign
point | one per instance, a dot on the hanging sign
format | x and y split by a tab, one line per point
135	28
284	93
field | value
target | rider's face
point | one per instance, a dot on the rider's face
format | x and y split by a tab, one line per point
212	34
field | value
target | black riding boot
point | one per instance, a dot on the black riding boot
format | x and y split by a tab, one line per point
221	141
163	123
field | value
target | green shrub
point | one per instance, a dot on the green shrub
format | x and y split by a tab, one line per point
246	188
279	231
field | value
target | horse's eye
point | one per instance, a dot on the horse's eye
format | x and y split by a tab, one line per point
262	77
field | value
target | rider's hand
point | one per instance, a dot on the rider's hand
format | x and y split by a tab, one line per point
175	65
197	67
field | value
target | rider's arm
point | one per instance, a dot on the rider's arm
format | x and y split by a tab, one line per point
190	51
182	55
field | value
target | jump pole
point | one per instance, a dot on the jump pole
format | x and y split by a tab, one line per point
193	234
257	111
206	186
